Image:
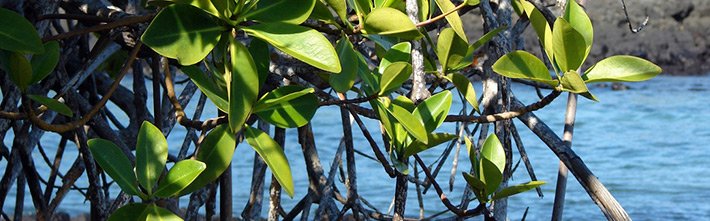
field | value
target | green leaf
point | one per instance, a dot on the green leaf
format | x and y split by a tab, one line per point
287	11
622	68
405	102
465	87
208	6
20	70
473	2
410	123
269	103
340	8
454	19
572	82
492	150
522	64
391	22
302	43
393	77
433	110
471	152
52	104
397	53
322	13
512	190
216	152
244	86
292	113
207	86
259	51
273	155
115	163
156	213
434	140
568	45
477	186
450	48
179	177
578	19
18	34
151	155
343	81
362	7
423	9
182	32
542	28
487	37
129	212
490	175
43	64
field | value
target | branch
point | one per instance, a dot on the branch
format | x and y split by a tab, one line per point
472	212
628	20
61	128
118	23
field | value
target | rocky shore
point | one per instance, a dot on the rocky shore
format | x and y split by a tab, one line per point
675	38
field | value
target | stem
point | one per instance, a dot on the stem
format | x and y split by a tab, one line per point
561	187
434	19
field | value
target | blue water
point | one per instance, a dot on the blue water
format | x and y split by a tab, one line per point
648	145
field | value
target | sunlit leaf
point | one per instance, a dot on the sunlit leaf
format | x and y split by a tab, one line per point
522	64
129	212
273	155
391	22
454	19
156	213
405	102
244	86
578	19
541	27
393	77
151	155
621	68
493	151
18	34
397	53
287	11
410	123
216	152
343	81
182	32
568	45
268	103
292	113
52	104
340	8
512	190
115	164
302	43
465	87
434	140
433	110
450	48
572	82
179	177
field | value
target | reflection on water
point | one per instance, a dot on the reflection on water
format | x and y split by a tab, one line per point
648	145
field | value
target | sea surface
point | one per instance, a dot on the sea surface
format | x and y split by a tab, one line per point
649	145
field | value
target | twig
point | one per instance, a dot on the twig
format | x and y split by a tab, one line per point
61	128
118	23
442	196
628	20
443	15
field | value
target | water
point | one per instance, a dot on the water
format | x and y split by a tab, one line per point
648	145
